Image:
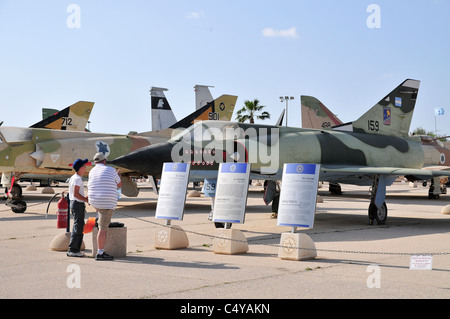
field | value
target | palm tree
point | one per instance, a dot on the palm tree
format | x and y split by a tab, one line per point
252	108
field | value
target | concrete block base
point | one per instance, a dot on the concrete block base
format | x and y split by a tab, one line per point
446	210
290	242
172	237
31	188
48	190
229	242
61	242
116	241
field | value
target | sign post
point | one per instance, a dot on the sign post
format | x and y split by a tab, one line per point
297	206
229	207
171	200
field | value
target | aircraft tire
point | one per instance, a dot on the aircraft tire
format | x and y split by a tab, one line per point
276	203
16	191
380	215
335	189
22	206
222	225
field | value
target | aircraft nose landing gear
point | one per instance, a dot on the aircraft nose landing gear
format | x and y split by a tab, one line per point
17	206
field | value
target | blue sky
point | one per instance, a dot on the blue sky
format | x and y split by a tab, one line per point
252	49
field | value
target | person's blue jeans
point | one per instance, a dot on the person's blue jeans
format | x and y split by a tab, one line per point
76	238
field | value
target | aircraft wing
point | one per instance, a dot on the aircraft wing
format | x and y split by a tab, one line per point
437	168
391	171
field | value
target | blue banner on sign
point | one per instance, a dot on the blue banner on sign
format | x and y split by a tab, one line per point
175	167
234	168
294	225
301	169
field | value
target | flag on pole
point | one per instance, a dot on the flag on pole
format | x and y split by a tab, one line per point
439	111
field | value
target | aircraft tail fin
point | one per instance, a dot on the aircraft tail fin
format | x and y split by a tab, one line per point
202	95
315	115
220	109
48	112
392	115
281	118
162	114
72	118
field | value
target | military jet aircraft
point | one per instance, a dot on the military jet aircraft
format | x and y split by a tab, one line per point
316	115
36	153
163	117
374	151
72	118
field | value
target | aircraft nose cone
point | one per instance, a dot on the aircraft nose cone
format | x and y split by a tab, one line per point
147	160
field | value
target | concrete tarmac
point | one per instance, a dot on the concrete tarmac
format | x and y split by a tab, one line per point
355	260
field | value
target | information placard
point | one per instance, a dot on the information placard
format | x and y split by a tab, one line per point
298	195
231	192
421	262
172	191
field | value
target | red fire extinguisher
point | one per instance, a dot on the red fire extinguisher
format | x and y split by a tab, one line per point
61	214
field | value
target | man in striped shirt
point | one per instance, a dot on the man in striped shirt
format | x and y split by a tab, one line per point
102	193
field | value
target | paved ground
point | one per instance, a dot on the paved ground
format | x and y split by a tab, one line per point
354	260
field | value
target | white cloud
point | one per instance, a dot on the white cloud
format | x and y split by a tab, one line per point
387	76
272	33
195	15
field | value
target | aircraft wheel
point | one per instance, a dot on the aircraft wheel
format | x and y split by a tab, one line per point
335	189
433	196
222	225
20	208
16	191
380	215
276	203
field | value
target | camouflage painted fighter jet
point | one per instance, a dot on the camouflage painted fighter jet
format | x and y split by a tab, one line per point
375	151
35	153
72	118
437	156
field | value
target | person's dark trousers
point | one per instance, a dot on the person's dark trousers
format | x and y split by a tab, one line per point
76	238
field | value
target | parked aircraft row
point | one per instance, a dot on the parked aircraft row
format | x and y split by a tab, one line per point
373	150
38	153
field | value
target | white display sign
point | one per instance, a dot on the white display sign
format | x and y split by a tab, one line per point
298	195
231	192
421	262
172	191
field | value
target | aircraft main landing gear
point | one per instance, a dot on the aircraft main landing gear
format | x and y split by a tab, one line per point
378	214
377	208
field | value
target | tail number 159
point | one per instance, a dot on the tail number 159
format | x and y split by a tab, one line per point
373	125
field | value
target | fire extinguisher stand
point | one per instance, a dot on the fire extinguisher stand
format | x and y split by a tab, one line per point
68	209
61	241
